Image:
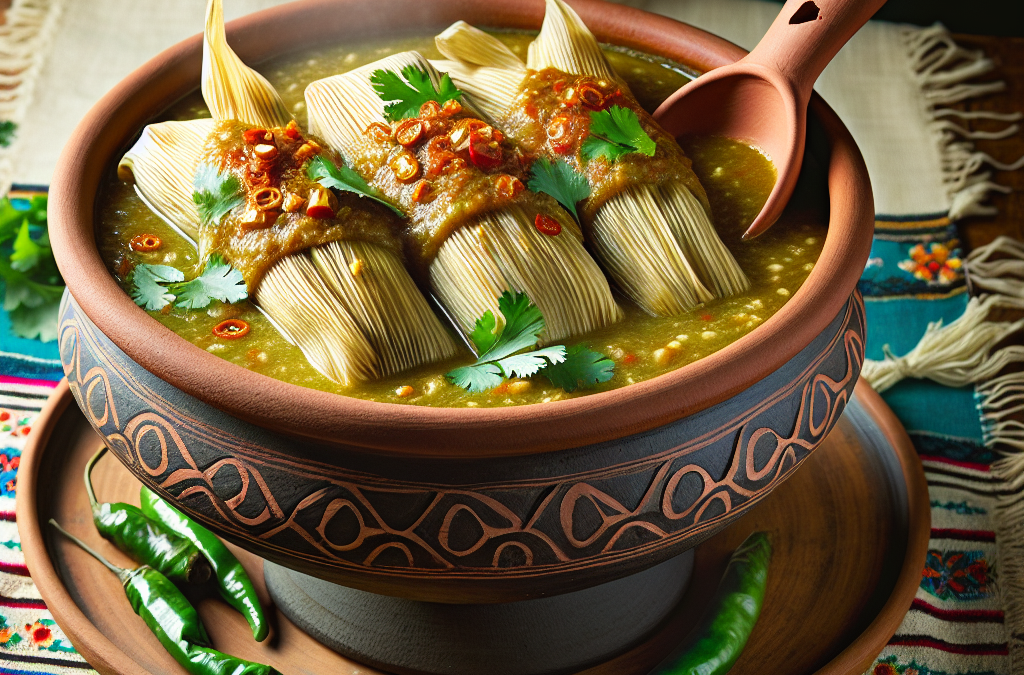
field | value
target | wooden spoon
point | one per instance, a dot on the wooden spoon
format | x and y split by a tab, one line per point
762	98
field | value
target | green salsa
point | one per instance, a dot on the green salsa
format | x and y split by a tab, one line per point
736	177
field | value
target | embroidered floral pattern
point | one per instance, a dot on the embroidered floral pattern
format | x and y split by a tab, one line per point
42	634
956	575
10	459
937	264
890	665
9	636
15	422
963	508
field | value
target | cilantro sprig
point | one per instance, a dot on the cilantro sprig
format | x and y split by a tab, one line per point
405	96
615	132
156	286
216	194
503	352
31	284
561	181
330	175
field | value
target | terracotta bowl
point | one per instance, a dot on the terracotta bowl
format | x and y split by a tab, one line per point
454	505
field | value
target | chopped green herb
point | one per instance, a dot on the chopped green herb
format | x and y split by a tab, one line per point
156	286
330	175
615	132
503	351
216	194
408	95
561	181
581	369
32	286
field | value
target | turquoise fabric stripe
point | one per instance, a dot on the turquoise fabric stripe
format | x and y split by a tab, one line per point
924	406
900	322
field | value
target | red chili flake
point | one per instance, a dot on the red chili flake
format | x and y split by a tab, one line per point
484	154
292	130
629	358
254	136
508	186
706	317
558	86
545	224
231	329
530	110
145	242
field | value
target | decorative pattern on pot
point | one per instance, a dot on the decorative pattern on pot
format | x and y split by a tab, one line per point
646	496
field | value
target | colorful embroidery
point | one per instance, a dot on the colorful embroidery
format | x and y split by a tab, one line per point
15	425
938	264
959	449
41	633
957	575
10	459
890	665
8	634
963	508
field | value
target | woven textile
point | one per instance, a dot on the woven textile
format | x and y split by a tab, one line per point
888	85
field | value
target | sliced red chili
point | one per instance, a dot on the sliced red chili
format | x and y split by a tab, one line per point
591	96
484	152
451	107
409	132
267	198
405	166
231	329
254	136
560	134
430	109
545	224
145	243
508	186
378	132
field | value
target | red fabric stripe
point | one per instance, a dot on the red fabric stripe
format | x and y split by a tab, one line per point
968	535
942	645
955	462
959	615
12	568
10	379
8	516
22	603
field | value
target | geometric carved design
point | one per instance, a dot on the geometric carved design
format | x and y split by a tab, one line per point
645	496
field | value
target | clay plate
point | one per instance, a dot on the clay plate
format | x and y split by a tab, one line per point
859	510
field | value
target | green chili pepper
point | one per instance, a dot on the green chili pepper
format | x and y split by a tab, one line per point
719	637
234	584
145	541
173	619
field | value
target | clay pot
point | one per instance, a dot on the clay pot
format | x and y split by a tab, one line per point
454	505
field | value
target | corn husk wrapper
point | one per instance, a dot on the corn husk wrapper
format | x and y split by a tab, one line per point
351	326
657	242
498	251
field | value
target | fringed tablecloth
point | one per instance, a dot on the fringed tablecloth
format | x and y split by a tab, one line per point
953	384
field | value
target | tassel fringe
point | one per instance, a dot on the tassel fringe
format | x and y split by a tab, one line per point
24	39
943	71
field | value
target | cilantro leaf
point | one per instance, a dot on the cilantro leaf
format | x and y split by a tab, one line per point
523	324
216	194
529	363
581	369
615	132
219	281
330	175
146	289
409	94
27	251
38	322
476	378
485	333
561	181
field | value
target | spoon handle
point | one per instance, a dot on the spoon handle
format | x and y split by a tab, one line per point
806	35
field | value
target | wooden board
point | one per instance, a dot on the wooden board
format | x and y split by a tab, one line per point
850	532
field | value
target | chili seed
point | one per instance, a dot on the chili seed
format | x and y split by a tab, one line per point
231	329
545	224
508	186
451	107
145	243
409	132
405	392
293	202
405	166
430	109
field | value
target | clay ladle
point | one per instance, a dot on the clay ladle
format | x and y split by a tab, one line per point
762	98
